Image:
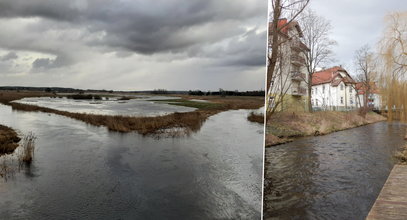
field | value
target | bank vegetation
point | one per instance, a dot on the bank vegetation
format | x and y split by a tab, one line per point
173	124
285	126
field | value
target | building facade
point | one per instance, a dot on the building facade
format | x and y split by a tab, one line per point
289	87
333	89
373	98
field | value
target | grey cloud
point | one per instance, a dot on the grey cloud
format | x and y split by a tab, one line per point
47	63
144	26
10	56
139	42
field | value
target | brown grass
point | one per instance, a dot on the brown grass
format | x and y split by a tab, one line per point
286	125
27	152
253	117
8	140
188	121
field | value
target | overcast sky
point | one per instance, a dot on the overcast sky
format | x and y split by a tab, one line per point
355	23
133	44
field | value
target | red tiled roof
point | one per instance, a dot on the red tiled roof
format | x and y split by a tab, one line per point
361	88
331	75
281	23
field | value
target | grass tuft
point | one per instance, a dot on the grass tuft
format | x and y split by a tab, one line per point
253	117
26	154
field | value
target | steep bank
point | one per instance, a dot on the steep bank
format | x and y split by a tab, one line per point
284	126
8	140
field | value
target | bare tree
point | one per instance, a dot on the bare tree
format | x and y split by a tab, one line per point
316	31
366	66
290	9
393	49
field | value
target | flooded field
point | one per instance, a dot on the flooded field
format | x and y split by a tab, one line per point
139	106
86	172
336	176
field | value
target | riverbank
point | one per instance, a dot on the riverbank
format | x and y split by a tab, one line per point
174	124
8	140
283	127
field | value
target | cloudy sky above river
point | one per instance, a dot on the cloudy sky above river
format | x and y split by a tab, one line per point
134	44
355	23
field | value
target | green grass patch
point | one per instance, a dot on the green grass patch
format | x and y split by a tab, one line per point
192	104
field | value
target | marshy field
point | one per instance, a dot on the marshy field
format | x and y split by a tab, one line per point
99	156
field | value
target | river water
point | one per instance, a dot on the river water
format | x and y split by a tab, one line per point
140	106
86	172
336	176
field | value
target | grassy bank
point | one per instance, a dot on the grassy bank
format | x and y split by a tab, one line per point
8	140
181	122
284	126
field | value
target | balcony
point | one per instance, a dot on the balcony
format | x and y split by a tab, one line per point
297	60
297	76
298	91
296	44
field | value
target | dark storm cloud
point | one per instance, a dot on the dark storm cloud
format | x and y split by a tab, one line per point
10	56
135	44
143	26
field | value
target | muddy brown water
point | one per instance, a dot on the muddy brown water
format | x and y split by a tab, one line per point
86	172
336	176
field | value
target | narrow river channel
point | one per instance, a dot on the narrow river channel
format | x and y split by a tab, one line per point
86	172
336	176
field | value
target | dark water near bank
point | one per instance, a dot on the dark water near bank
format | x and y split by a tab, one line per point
337	176
86	172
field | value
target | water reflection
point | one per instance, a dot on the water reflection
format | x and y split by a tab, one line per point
337	176
141	106
85	172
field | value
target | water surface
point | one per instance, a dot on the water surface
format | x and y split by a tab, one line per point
336	176
140	106
86	172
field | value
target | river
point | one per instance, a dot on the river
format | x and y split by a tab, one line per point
336	176
85	172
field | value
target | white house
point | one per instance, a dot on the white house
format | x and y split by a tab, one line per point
374	100
333	89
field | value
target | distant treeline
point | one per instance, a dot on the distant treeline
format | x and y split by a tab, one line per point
81	96
221	92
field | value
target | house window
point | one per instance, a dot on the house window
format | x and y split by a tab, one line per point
341	100
316	100
316	90
312	91
323	89
350	89
351	100
312	101
341	87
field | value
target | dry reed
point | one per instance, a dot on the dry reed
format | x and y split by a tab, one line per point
187	121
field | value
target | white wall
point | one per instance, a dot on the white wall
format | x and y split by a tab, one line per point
333	96
377	102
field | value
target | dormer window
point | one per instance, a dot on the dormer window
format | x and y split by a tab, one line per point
341	86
